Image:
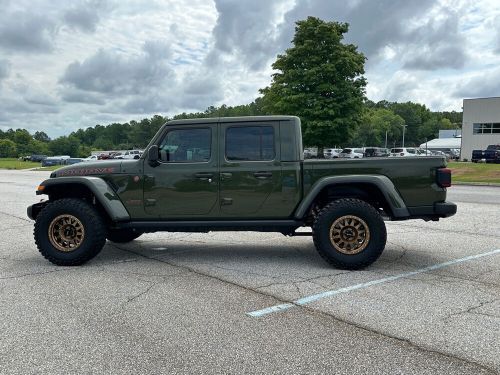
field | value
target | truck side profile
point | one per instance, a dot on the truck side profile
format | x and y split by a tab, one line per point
237	174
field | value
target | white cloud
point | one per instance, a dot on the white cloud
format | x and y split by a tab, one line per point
71	65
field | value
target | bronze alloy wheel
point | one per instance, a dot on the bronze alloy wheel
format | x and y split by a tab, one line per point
349	234
66	233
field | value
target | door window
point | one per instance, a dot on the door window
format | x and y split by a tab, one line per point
186	146
250	143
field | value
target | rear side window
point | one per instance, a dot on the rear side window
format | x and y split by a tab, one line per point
250	143
346	151
397	150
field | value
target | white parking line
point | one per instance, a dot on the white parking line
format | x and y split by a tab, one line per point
330	293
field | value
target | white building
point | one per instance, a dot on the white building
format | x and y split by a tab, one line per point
480	126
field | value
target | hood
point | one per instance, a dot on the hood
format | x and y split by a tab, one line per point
89	169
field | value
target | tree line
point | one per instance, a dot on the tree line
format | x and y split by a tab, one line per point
319	79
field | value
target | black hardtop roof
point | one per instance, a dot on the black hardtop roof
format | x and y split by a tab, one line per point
233	119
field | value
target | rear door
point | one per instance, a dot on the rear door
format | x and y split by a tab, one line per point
250	170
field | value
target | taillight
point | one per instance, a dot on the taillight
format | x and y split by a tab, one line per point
443	177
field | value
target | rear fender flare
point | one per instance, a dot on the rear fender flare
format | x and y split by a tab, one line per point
99	188
383	183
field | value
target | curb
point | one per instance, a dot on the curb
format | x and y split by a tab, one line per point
490	184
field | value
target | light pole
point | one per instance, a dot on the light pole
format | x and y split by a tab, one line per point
404	127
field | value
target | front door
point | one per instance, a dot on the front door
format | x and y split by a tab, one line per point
185	184
250	169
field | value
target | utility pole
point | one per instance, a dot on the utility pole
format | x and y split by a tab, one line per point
385	139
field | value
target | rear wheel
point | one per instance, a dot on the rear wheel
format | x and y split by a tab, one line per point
122	235
69	232
349	234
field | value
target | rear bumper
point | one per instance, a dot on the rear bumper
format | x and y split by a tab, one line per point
445	209
436	211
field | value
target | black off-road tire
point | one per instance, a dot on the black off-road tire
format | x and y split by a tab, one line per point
349	207
122	235
94	229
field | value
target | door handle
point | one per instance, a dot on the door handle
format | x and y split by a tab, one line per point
225	175
262	175
204	176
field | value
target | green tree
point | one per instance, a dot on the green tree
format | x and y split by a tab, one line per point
7	148
375	124
320	80
65	146
38	147
41	136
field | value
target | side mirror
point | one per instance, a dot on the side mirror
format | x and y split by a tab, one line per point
153	156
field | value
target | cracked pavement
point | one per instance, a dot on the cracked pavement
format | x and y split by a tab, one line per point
177	303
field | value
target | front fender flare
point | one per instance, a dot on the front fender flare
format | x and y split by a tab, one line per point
383	183
101	190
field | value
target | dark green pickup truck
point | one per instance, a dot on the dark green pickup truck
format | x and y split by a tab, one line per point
237	174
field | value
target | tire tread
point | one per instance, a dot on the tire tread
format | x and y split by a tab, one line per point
97	237
317	227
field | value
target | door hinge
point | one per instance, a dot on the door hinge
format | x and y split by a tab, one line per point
150	202
226	201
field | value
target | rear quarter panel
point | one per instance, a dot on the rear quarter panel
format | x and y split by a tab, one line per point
413	177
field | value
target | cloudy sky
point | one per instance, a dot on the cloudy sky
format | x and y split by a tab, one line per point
71	64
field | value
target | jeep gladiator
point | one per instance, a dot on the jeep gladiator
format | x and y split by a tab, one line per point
236	174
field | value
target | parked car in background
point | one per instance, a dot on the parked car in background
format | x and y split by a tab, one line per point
403	151
422	152
91	158
132	154
116	155
332	153
37	158
375	152
310	153
71	161
490	155
103	156
55	160
351	153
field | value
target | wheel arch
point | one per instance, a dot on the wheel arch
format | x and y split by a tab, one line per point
370	188
87	187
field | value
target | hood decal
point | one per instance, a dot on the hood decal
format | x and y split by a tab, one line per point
85	171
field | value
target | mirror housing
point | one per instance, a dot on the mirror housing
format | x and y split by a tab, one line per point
153	156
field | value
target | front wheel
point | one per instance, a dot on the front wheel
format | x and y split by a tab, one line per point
349	234
122	235
69	232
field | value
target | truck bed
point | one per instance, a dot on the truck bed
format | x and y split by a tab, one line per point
413	177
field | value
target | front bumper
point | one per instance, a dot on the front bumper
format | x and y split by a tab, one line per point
33	210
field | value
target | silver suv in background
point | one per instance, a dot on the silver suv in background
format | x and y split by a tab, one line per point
332	153
351	153
403	151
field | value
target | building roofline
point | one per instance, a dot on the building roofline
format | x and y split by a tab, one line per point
482	98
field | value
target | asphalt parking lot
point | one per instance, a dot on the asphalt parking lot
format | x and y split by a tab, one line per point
183	303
